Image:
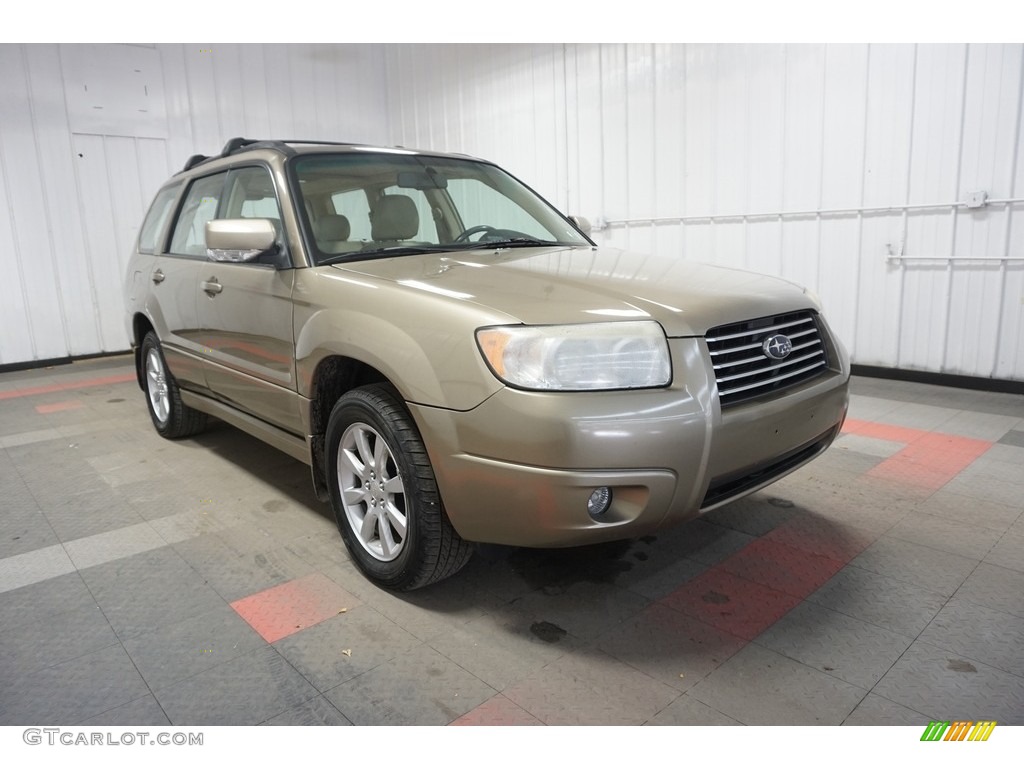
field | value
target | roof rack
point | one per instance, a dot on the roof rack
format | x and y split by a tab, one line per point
239	143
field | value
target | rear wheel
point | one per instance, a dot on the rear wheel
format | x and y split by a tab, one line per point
384	493
170	416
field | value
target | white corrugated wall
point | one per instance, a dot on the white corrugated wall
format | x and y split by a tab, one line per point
89	132
776	158
815	162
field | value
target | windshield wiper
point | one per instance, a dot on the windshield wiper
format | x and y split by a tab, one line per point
391	250
414	250
517	242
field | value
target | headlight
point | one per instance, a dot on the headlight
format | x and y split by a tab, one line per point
591	356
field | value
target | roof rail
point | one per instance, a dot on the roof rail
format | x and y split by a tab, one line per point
238	143
193	161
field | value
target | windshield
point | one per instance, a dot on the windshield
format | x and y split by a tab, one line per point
364	204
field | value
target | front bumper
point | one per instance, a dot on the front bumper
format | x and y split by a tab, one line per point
519	468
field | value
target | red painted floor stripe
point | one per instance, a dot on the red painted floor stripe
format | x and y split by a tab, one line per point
795	572
929	460
497	711
121	378
293	606
67	405
730	603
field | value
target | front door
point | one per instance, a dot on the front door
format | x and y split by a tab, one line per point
245	314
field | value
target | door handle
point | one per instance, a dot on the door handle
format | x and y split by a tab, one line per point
211	286
158	276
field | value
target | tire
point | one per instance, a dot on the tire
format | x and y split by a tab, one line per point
376	460
171	418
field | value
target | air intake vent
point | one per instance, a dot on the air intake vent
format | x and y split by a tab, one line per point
766	356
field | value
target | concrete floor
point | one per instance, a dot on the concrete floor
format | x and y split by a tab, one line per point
148	582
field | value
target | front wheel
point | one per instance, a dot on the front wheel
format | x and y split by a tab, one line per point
384	493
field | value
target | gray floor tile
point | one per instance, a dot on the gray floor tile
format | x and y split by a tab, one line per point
30	567
144	711
895	605
235	575
979	426
113	545
686	710
921	416
583	610
318	711
995	587
148	590
591	688
875	710
421	687
674	649
502	653
1008	551
1013	437
702	541
73	690
23	529
754	515
970	541
425	613
41	599
247	690
760	687
52	639
186	648
657	571
975	632
844	647
871	446
933	569
345	646
970	511
986	487
938	682
120	468
321	551
88	514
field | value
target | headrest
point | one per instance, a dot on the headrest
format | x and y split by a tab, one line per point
395	218
332	227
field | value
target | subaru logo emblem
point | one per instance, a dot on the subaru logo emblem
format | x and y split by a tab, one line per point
777	347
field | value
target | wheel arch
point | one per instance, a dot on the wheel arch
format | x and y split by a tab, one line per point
333	376
141	325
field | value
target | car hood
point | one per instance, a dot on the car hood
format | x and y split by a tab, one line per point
544	286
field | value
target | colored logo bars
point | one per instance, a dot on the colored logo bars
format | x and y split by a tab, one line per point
959	730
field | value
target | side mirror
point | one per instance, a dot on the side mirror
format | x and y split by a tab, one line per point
236	240
582	224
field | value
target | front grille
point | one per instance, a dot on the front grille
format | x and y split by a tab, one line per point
742	369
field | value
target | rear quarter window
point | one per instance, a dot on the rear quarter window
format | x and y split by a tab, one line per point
156	219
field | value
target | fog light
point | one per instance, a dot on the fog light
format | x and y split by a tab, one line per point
599	501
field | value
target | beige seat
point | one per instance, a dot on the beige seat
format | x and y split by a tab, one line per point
394	218
332	233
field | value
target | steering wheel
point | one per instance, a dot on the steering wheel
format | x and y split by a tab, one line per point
463	237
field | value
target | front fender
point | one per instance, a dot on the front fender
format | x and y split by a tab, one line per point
425	345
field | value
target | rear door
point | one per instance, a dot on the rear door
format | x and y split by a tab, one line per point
173	307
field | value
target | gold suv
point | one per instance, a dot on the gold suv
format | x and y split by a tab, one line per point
457	361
